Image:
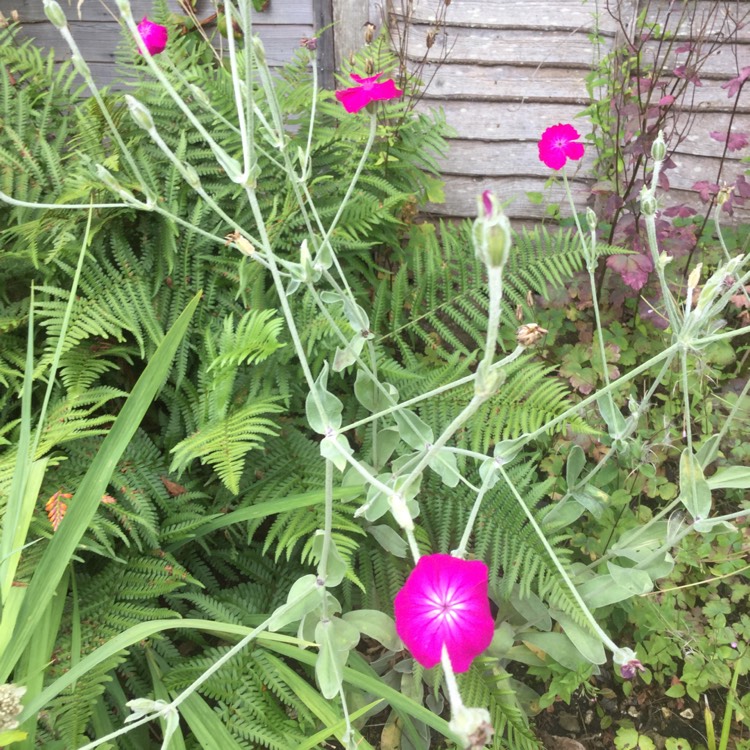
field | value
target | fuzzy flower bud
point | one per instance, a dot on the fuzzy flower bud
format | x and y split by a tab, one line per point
191	176
529	334
55	14
591	219
648	202
695	276
140	113
659	148
259	50
492	237
10	705
629	665
473	726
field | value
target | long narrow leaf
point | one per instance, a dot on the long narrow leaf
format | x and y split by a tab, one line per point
89	493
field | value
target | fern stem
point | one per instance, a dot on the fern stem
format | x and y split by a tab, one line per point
61	338
608	642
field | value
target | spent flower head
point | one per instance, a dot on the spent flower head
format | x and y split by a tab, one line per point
10	705
558	144
444	603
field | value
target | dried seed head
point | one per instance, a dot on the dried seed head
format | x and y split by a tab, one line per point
10	705
309	44
369	32
431	34
529	334
369	67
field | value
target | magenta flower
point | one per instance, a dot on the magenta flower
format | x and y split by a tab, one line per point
444	602
369	90
558	144
153	35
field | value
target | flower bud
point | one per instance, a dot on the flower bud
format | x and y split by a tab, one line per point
648	202
591	219
124	7
529	334
107	178
695	276
401	513
55	14
659	148
259	50
472	725
191	176
492	236
139	112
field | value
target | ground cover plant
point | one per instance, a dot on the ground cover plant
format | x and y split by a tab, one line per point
285	471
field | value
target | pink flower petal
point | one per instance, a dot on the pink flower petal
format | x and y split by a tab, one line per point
369	90
444	602
558	144
353	99
154	36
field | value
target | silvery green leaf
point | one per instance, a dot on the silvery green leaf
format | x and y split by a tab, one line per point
356	316
302	598
414	432
389	539
388	439
336	638
636	581
335	449
589	645
348	356
612	416
506	450
574	465
730	477
486	468
337	568
707	524
695	492
330	416
591	498
373	398
443	463
377	625
602	590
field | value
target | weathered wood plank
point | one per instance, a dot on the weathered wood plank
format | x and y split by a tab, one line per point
556	49
521	14
465	190
505	158
503	121
508	84
349	19
279	11
98	41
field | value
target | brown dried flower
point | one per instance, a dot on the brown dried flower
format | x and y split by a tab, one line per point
529	334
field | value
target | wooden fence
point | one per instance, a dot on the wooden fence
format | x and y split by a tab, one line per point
513	67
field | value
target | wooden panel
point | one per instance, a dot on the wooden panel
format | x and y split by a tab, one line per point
501	159
465	190
279	11
504	46
508	84
98	41
522	14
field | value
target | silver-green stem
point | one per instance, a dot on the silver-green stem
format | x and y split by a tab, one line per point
608	642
